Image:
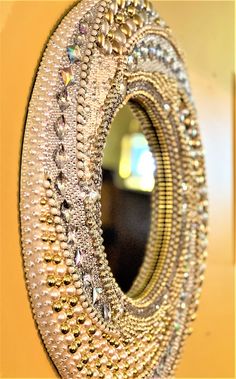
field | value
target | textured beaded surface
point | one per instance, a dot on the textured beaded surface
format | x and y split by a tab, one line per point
103	55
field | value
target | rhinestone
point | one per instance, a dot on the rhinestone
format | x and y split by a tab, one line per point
78	257
63	100
83	28
79	40
71	236
144	51
60	156
87	280
130	61
96	294
74	53
60	183
67	75
107	312
66	211
152	52
60	127
166	106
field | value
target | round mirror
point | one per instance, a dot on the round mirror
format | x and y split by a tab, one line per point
128	180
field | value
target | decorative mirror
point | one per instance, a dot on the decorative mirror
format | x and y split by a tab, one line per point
103	57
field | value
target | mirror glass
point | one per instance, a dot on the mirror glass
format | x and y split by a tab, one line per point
128	168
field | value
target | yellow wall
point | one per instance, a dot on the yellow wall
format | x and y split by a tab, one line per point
205	31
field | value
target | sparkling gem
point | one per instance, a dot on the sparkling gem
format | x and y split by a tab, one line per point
67	75
176	326
130	61
144	51
159	52
184	186
152	52
83	28
66	211
96	294
60	156
71	236
78	257
107	312
60	127
74	53
87	280
63	100
136	53
166	106
60	183
79	40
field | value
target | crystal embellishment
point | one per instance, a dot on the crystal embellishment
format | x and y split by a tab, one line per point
60	127
83	28
71	236
74	53
63	100
60	183
97	291
87	280
107	312
78	257
67	75
60	156
66	211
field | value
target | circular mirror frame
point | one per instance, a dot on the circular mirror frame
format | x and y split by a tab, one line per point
103	55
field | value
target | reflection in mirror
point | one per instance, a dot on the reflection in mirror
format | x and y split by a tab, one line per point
128	168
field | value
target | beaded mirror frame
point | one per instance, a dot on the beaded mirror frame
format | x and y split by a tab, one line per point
103	55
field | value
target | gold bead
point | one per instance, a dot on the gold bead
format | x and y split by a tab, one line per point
100	355
73	301
49	219
92	349
65	328
109	365
57	306
98	365
75	331
131	10
42	218
47	257
92	330
78	342
81	319
85	359
43	201
52	237
51	280
63	299
69	313
120	17
57	259
67	279
80	367
89	373
73	348
44	237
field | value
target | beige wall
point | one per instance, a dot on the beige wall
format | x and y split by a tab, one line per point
204	29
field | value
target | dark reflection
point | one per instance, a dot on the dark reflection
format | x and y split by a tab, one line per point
126	219
125	211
